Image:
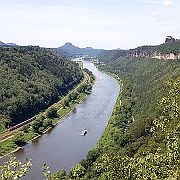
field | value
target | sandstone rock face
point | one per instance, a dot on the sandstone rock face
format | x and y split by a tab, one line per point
178	56
170	39
172	56
154	55
169	56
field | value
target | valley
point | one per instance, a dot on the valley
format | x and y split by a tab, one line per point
131	115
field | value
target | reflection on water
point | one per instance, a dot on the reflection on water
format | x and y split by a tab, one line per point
63	147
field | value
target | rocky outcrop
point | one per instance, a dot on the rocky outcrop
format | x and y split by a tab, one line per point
150	54
178	56
170	50
170	56
138	53
170	39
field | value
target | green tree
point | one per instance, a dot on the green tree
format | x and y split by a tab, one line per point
77	172
52	113
13	169
59	175
36	125
19	139
25	128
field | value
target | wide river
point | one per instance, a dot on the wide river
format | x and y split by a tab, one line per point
63	147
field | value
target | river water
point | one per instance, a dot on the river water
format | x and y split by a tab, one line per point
63	147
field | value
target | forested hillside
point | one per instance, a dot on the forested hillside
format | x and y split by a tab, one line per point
32	78
142	139
170	50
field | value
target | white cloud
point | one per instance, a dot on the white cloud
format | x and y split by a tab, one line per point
154	13
168	2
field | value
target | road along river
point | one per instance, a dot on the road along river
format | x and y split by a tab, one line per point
63	147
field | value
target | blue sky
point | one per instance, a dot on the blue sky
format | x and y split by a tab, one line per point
108	24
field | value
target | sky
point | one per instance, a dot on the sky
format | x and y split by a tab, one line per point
103	24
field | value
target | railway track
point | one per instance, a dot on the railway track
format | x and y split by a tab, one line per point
12	130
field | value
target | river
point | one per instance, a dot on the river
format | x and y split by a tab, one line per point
63	147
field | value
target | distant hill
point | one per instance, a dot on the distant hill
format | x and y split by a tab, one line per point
2	44
7	44
70	50
11	44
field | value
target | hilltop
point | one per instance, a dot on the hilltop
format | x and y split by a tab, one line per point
7	44
71	50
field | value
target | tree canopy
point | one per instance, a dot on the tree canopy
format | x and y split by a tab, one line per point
31	79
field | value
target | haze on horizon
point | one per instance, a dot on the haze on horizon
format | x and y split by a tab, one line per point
107	24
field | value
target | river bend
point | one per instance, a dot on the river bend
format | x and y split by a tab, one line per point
63	147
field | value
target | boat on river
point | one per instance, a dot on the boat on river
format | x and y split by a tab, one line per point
84	132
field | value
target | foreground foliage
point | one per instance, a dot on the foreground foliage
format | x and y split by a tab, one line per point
14	169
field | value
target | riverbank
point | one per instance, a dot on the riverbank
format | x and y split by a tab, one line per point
102	143
65	106
136	139
106	142
64	147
